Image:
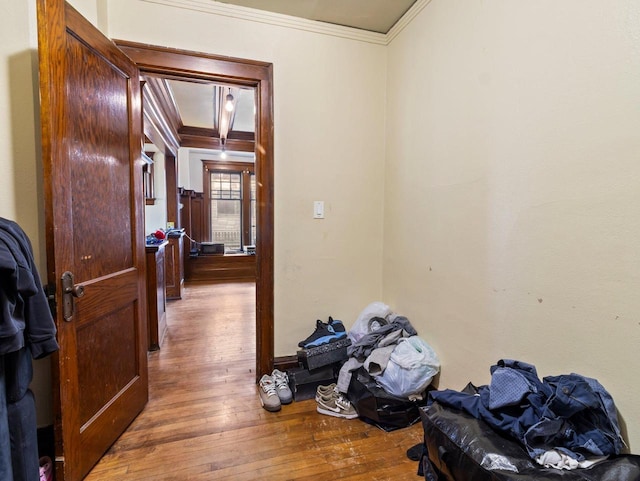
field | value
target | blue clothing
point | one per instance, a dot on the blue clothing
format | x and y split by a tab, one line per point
571	413
25	317
21	416
27	331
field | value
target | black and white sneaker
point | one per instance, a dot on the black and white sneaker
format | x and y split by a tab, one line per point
338	327
321	335
324	333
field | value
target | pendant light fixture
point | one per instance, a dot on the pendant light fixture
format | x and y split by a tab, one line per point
223	150
228	105
225	113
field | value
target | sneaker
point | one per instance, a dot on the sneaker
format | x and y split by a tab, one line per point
268	395
46	469
338	327
281	381
336	405
325	390
323	334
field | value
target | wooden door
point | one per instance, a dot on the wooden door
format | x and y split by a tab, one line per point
91	146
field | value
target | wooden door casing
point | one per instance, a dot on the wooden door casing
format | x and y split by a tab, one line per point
177	63
92	139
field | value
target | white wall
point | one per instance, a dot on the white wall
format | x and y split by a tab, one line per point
21	194
90	10
329	145
184	174
155	216
512	214
512	204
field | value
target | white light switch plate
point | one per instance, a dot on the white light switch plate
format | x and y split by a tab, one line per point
318	209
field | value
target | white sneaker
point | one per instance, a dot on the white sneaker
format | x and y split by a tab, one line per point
268	396
335	404
281	381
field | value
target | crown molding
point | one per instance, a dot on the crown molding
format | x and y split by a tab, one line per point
406	19
261	16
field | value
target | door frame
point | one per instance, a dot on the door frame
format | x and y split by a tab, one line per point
186	64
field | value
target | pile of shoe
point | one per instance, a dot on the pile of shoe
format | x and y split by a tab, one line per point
274	390
333	403
324	333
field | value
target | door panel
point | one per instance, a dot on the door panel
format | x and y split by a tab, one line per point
91	136
99	161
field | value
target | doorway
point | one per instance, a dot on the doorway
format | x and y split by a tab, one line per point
195	66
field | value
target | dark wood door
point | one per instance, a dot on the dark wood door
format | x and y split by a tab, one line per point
91	136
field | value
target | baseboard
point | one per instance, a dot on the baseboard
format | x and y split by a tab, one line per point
284	363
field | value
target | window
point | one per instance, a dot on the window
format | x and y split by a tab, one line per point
230	189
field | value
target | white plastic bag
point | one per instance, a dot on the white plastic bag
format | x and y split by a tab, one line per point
411	368
361	327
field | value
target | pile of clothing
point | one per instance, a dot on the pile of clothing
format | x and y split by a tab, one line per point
387	346
27	331
565	422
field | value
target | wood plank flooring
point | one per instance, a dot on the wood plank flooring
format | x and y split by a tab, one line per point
204	420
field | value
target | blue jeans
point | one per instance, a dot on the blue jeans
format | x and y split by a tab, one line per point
577	416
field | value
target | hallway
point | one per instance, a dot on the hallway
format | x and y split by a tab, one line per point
204	420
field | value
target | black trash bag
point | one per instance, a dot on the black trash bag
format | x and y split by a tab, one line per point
462	448
376	406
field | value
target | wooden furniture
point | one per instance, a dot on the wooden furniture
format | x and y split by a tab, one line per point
222	268
192	220
156	295
192	216
174	264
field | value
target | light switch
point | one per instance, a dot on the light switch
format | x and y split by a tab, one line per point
318	209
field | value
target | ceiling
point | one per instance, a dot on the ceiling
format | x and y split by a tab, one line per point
190	111
198	104
373	15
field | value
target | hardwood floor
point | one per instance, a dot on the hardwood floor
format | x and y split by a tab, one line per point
204	420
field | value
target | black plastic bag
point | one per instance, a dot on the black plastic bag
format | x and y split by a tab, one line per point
376	406
463	448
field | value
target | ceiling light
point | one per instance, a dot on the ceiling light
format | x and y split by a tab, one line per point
223	153
224	115
228	105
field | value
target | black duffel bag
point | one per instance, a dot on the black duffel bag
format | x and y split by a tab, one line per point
376	406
